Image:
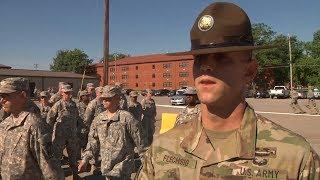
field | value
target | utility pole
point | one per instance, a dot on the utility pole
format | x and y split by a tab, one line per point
106	43
290	56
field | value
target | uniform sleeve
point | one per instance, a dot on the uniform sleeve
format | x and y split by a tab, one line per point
52	115
92	150
89	115
146	171
178	119
311	169
42	150
135	129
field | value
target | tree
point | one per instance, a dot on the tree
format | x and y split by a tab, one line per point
70	61
116	56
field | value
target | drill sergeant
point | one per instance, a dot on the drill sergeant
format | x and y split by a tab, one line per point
25	144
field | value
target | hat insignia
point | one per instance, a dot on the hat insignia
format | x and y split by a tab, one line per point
205	23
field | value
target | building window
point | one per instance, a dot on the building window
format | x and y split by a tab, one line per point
112	69
125	68
166	75
137	76
153	66
125	85
137	85
183	74
124	76
153	84
183	64
183	83
166	66
167	84
113	77
153	75
137	67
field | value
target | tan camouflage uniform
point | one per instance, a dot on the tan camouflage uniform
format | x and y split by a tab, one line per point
44	109
135	109
63	118
312	106
26	149
94	108
184	116
123	104
55	98
80	125
294	102
148	120
114	140
259	149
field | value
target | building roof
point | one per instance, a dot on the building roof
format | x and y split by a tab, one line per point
154	58
4	67
41	73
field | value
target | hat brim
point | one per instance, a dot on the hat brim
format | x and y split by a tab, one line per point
221	50
107	96
7	91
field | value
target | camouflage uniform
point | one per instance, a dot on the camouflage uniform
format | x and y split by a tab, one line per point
55	98
3	114
259	149
80	125
312	106
123	104
26	149
187	115
114	140
294	102
136	110
44	109
63	118
148	120
94	108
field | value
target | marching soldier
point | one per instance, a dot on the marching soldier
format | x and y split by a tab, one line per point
25	143
149	112
113	135
57	96
294	102
123	100
312	106
135	107
44	104
192	110
228	140
63	118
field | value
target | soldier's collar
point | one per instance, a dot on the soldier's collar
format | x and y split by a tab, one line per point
247	131
17	121
115	117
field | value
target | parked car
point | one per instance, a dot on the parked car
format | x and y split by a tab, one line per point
261	94
171	93
302	93
161	92
178	100
316	93
279	92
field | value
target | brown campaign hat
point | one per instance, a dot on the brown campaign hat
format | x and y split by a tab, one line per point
221	27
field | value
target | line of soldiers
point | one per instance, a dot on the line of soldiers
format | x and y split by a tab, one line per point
100	128
311	104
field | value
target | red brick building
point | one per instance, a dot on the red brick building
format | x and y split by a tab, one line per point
158	71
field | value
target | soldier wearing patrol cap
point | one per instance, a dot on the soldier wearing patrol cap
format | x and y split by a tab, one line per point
25	143
44	104
57	96
229	140
63	118
91	91
135	107
192	110
149	111
113	135
123	100
82	105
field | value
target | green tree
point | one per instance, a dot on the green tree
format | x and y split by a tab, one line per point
70	61
116	56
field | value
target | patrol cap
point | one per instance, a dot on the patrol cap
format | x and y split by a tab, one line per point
62	84
190	91
83	93
133	94
221	27
90	85
99	89
66	88
10	85
110	91
44	94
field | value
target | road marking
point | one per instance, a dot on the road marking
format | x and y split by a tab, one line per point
260	112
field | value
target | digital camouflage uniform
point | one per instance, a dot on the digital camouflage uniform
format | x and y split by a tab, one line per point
3	114
114	140
136	110
44	109
63	118
80	125
260	149
123	104
55	98
294	102
184	116
94	108
312	106
148	119
26	149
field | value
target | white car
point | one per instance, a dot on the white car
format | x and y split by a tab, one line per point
178	100
316	93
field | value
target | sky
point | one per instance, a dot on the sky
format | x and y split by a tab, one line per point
32	31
